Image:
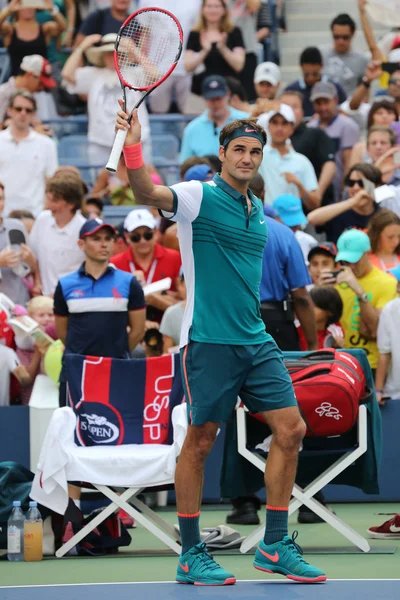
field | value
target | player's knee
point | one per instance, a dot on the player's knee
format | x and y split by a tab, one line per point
201	441
289	436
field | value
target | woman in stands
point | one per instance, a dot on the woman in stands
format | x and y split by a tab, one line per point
23	35
215	46
384	233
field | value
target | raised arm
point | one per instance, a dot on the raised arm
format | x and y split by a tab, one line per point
322	215
368	33
144	190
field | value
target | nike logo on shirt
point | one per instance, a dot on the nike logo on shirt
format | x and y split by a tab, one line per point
273	558
262	222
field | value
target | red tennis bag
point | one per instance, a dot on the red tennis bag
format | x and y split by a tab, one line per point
329	385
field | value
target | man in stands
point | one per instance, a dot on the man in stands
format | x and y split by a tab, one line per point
54	236
104	21
27	157
148	260
35	76
267	79
201	136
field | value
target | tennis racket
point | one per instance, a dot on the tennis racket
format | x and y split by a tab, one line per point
147	49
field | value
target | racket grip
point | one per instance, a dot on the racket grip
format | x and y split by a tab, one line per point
116	150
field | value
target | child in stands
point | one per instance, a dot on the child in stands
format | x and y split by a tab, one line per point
328	307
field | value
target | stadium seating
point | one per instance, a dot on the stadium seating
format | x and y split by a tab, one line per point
165	146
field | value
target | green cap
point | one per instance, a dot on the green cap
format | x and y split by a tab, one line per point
351	245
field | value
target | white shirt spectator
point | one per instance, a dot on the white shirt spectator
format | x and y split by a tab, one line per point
388	341
56	249
24	167
103	89
171	323
8	363
46	107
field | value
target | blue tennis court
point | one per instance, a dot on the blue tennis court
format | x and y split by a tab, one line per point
367	589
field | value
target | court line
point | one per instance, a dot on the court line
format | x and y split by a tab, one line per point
7	587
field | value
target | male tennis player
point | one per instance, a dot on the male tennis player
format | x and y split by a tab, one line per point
225	349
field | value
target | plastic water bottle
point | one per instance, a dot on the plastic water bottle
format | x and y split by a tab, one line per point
15	533
33	534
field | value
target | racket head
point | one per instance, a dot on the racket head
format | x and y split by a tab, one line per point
147	49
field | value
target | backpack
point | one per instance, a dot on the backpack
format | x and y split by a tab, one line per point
329	386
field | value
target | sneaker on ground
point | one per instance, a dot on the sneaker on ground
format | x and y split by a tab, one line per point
126	519
198	567
388	530
285	557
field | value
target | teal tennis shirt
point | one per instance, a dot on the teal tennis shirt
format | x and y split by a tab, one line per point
222	248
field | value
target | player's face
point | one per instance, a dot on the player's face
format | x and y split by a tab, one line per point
280	129
99	246
319	263
242	158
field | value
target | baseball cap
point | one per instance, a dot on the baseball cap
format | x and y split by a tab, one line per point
214	86
290	210
267	71
285	111
139	218
269	211
352	244
323	89
327	248
40	67
199	173
92	226
394	56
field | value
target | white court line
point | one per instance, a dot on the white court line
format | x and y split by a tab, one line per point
8	587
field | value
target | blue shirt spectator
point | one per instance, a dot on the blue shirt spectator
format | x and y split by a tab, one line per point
104	21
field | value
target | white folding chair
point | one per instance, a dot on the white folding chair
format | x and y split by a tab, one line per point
305	496
143	466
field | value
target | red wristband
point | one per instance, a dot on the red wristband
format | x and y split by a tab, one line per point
133	156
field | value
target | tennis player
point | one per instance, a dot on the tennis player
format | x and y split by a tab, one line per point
225	350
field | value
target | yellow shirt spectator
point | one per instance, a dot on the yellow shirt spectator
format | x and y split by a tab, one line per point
380	289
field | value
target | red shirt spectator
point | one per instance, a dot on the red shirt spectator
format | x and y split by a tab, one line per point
148	260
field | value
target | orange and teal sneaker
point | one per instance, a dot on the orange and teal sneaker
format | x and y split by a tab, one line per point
285	557
198	567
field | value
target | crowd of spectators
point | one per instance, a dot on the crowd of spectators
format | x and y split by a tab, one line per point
330	171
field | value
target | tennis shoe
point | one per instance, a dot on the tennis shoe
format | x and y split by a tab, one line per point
285	557
198	567
389	530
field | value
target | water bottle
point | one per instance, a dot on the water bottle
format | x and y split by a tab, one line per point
15	533
33	534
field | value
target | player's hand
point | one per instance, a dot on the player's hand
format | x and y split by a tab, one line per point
9	258
134	129
89	41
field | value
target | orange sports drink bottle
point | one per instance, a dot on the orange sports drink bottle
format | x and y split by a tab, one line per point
33	534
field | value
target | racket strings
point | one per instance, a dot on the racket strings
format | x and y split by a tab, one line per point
148	47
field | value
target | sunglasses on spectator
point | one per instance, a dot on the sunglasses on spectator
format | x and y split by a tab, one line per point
353	182
21	108
136	237
344	37
394	81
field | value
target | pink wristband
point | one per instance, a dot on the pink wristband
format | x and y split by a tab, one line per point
133	156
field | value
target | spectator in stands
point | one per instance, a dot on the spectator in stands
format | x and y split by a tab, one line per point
28	158
384	235
152	343
54	236
267	79
238	96
25	36
177	87
34	75
103	21
387	378
328	308
315	144
343	130
25	216
214	44
364	290
10	365
321	263
245	15
115	186
101	84
284	170
199	173
311	65
342	64
380	139
148	260
356	211
171	323
201	136
93	207
290	212
11	282
120	244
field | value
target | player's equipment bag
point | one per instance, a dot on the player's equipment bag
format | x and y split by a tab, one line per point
329	385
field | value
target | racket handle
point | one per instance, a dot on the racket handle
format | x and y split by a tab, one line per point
116	150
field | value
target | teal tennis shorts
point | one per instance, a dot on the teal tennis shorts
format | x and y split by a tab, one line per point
214	375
